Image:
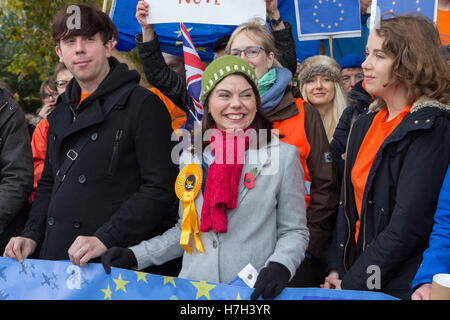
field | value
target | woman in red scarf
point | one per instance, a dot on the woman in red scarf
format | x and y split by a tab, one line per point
242	196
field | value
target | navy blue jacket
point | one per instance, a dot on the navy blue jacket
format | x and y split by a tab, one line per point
399	200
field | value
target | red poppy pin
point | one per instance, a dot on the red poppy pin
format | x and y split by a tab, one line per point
249	178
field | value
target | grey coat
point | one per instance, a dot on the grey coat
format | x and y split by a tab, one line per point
269	223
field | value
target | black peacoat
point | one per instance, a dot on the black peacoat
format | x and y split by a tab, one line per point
120	187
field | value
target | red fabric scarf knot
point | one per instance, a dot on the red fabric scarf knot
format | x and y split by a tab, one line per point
222	181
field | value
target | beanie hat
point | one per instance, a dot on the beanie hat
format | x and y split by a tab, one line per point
352	61
223	67
319	65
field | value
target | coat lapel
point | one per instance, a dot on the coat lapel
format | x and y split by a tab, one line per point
263	160
93	114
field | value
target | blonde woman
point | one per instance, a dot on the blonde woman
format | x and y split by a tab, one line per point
321	85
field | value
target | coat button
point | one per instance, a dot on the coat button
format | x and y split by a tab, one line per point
76	225
94	136
82	179
214	244
50	221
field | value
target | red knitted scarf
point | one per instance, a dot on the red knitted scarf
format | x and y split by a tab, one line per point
222	181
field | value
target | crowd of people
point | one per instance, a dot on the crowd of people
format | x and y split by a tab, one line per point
312	185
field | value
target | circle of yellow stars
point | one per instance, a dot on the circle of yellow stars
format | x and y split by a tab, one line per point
394	3
203	288
328	26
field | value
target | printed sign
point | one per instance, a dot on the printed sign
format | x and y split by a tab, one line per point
221	12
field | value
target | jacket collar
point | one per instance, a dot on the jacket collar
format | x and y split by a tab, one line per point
420	103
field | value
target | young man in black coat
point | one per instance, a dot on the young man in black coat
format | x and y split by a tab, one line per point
108	176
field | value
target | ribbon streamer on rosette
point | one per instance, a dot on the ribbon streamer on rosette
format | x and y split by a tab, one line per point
187	186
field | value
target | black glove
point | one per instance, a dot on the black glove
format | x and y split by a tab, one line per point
118	257
271	281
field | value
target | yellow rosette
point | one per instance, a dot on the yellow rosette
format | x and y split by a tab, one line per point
187	186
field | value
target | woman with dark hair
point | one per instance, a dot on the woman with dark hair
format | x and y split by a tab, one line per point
396	159
242	197
298	124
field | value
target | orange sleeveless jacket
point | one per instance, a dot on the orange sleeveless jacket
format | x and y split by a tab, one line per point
293	130
177	115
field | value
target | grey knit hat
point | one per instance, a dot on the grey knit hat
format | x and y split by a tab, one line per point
319	65
223	67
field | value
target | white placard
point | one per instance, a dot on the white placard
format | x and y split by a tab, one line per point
222	12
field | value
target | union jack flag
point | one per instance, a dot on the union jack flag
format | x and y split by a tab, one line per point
194	71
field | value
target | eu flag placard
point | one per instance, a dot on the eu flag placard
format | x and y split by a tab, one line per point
318	19
426	7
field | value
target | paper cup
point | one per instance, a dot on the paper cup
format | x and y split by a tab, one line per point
440	288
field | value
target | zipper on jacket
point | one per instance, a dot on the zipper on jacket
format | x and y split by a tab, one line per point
345	199
4	105
74	115
115	153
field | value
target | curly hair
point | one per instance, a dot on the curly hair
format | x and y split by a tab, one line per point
419	63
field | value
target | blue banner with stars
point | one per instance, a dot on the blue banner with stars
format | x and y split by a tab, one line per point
427	8
318	19
61	280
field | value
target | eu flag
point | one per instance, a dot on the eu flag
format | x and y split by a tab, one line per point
317	19
426	7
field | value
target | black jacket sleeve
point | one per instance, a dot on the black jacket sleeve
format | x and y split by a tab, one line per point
285	44
16	162
36	223
170	83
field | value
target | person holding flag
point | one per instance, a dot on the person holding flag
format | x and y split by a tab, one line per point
173	84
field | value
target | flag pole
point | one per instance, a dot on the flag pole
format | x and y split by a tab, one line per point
105	4
330	39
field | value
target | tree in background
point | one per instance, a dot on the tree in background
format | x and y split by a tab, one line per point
27	51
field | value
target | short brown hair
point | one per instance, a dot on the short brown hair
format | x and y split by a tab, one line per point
414	44
92	21
59	67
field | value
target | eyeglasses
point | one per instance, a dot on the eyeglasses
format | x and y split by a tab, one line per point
54	94
250	52
61	83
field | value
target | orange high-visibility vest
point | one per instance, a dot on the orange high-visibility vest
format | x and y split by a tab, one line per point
293	130
177	115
